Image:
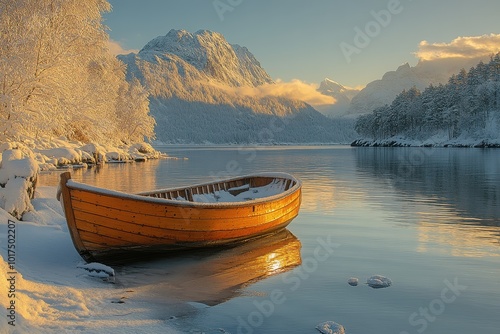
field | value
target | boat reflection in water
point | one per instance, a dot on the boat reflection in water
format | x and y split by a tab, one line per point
212	276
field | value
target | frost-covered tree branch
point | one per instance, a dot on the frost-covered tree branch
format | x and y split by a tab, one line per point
58	77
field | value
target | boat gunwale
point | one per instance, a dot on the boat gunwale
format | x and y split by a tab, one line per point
144	196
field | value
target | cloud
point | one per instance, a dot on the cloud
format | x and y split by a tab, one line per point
116	49
295	90
461	47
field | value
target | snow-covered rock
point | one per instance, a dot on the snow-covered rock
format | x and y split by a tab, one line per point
378	282
18	177
63	155
143	148
353	281
54	153
115	156
15	197
21	167
95	269
330	327
20	150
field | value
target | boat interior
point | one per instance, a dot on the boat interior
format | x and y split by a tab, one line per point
236	190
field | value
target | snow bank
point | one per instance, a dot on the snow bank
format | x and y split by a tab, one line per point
18	177
66	156
54	153
23	150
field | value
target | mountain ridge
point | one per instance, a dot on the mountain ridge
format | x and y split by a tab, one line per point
383	91
203	89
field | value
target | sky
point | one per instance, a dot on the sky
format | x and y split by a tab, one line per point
351	42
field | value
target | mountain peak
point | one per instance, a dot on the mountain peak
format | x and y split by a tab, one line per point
404	67
330	85
181	41
327	80
340	93
210	53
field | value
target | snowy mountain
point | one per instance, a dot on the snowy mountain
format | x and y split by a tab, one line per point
343	95
209	53
381	92
203	89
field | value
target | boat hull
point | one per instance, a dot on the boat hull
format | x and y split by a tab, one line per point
103	222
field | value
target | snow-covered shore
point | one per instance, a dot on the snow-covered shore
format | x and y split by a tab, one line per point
53	153
43	290
45	286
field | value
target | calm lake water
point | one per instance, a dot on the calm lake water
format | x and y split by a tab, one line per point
427	218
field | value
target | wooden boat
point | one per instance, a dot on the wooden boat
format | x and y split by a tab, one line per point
104	222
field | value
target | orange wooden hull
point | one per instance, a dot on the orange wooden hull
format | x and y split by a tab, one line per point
103	222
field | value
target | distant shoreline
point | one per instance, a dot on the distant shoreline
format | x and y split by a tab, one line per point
416	143
160	145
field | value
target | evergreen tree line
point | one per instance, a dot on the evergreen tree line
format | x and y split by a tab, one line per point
469	104
58	78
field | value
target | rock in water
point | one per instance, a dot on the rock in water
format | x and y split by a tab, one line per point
378	281
330	327
353	281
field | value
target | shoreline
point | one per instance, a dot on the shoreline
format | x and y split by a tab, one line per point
417	143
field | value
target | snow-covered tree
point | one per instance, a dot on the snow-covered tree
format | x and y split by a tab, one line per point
133	110
467	104
57	75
